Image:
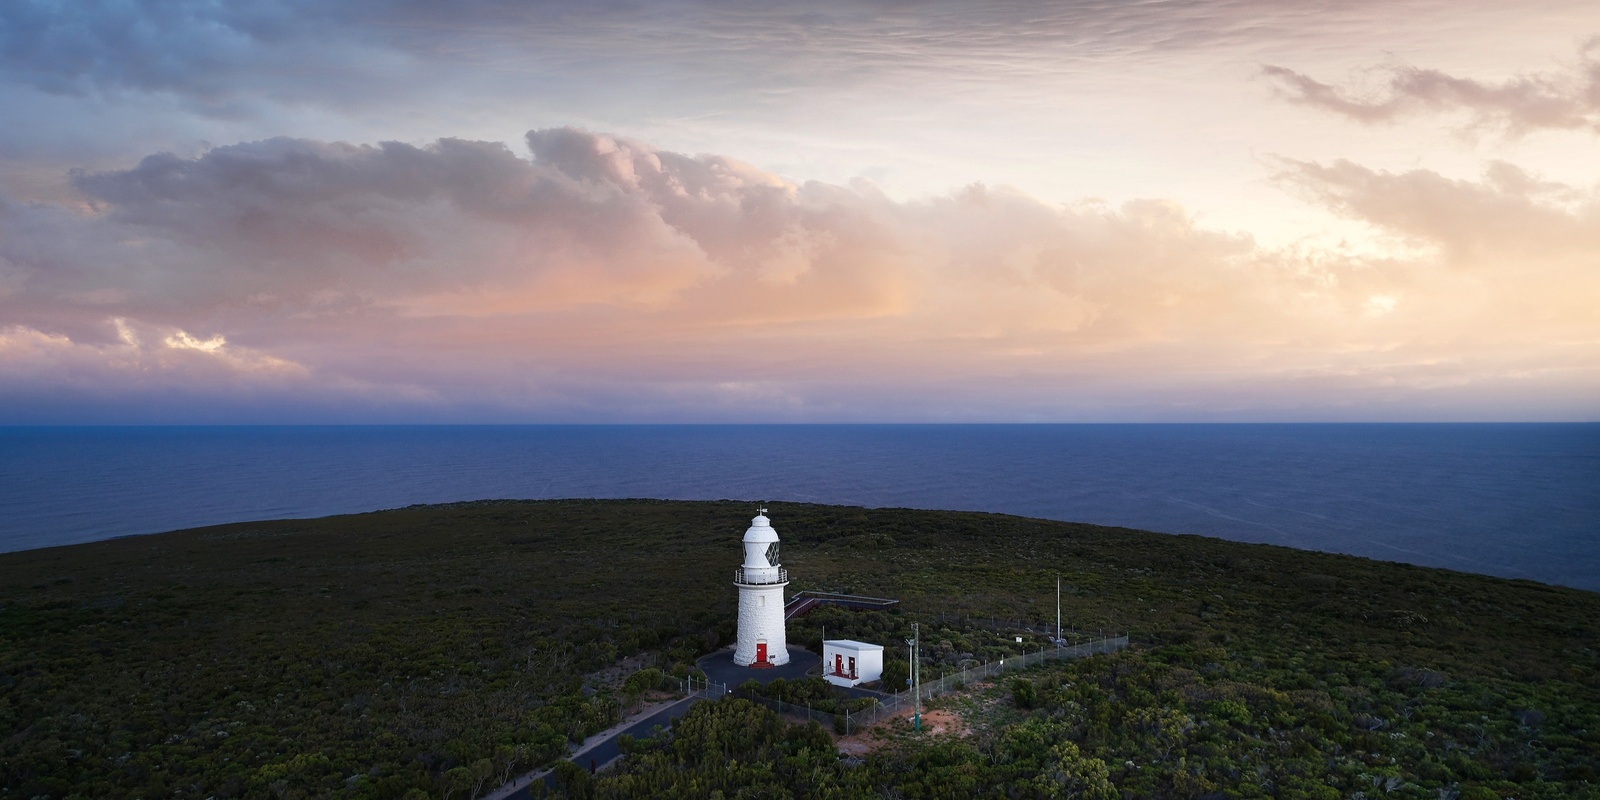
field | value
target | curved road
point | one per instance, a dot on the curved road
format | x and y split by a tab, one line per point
719	667
606	750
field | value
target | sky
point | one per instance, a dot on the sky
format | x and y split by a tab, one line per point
398	211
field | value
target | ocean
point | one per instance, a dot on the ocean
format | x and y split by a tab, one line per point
1515	500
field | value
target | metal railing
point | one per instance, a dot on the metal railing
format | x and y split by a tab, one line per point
738	577
804	602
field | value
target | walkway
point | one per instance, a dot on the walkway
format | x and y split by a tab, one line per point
805	602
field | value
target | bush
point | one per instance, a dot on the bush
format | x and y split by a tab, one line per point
643	681
1023	693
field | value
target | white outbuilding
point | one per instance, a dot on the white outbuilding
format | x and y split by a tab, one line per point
846	662
762	639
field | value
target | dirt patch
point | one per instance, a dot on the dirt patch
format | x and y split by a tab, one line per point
858	744
612	677
935	721
940	721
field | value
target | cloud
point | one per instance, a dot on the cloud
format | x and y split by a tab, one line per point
271	59
1567	100
220	58
1509	262
149	374
603	278
24	349
1506	219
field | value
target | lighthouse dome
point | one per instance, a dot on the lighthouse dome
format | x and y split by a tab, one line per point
761	530
761	544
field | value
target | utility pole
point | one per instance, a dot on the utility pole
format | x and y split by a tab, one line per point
913	676
916	669
1058	611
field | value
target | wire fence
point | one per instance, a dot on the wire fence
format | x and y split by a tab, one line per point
824	718
1006	625
893	704
889	705
703	689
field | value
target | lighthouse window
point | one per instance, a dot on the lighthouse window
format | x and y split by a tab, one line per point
772	554
761	601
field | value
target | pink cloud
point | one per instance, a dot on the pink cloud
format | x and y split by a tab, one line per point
1557	100
607	279
1505	218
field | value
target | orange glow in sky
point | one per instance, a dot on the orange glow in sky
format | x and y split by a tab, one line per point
495	212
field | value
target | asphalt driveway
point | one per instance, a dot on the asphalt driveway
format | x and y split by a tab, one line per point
719	667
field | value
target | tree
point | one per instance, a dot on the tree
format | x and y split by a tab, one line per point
482	771
454	780
895	673
508	757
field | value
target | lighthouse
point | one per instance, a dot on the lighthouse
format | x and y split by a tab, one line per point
762	642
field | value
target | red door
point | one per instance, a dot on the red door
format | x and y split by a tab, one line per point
852	667
761	652
838	664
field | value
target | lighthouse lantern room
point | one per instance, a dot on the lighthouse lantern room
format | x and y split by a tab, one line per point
762	641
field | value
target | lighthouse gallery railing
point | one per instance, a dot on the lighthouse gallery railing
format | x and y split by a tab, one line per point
738	577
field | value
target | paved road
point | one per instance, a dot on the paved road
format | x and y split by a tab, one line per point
606	750
719	668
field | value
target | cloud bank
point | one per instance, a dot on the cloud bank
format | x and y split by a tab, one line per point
603	279
1567	100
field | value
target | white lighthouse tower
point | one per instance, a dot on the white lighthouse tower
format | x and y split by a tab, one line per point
762	642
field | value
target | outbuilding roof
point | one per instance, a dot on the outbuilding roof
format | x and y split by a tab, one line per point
850	644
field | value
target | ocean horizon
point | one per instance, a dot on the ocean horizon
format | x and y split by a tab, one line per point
1516	500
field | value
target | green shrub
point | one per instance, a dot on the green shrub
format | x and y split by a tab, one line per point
1024	693
647	679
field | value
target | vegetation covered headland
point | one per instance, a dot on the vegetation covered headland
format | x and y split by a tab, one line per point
439	651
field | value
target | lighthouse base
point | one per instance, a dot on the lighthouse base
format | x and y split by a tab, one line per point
762	658
719	668
762	639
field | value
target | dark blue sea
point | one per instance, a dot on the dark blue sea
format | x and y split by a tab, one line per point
1520	501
